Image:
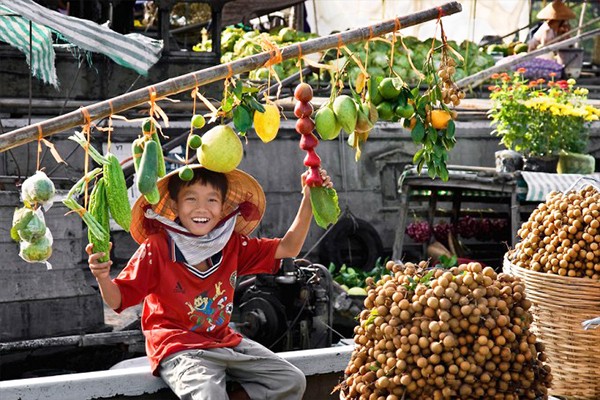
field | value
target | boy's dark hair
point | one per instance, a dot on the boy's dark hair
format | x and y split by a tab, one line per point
202	175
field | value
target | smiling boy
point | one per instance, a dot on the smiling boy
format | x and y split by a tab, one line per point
193	246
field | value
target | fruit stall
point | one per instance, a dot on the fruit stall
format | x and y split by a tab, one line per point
443	328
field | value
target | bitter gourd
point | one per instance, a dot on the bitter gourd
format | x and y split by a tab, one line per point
98	209
116	192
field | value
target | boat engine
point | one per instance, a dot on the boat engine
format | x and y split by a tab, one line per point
290	310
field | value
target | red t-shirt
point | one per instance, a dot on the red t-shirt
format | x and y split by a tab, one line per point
185	308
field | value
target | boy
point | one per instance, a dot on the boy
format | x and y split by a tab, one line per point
193	245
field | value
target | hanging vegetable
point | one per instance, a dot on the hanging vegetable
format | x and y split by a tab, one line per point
324	200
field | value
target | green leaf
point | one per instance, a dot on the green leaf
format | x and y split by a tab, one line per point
254	104
418	155
443	172
325	206
242	120
450	130
418	132
238	89
415	92
426	278
431	171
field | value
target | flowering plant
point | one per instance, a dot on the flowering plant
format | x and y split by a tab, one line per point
539	117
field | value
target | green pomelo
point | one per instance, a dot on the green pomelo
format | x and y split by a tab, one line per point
404	110
221	149
326	124
390	88
385	111
345	112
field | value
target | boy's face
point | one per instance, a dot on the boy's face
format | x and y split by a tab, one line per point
199	208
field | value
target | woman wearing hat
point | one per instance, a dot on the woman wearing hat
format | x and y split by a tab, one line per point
556	16
193	246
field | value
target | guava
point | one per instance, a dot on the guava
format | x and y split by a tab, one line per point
21	218
33	230
38	188
38	251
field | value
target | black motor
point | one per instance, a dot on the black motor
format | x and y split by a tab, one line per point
288	311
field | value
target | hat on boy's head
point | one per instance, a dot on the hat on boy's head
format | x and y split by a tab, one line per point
556	10
244	197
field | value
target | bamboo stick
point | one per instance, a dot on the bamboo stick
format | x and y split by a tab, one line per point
205	76
476	79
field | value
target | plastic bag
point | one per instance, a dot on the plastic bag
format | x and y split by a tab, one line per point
38	251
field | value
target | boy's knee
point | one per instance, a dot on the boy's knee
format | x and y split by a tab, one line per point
297	381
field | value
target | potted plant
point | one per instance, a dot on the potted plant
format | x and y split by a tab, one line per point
540	119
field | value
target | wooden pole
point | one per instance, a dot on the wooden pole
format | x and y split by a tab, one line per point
202	77
479	77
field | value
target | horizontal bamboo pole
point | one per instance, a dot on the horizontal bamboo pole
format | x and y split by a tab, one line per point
205	76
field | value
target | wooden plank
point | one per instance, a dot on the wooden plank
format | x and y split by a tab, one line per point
137	380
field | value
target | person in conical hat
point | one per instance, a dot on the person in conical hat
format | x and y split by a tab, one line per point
556	16
193	246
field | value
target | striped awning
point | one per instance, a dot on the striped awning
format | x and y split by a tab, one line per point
131	51
40	55
539	184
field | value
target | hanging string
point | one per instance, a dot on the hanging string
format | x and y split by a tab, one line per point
194	96
299	63
39	146
276	58
397	27
86	164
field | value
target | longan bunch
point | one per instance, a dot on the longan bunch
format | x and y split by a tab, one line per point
562	235
451	93
445	334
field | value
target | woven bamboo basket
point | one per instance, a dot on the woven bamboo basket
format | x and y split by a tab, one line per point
559	305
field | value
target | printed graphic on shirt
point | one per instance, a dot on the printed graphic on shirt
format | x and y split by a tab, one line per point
232	279
208	312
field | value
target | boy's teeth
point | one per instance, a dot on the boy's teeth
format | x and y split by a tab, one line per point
200	219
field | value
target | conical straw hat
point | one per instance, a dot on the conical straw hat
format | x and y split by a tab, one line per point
242	188
556	10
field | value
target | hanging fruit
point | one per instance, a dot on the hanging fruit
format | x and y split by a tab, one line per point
221	149
324	201
266	124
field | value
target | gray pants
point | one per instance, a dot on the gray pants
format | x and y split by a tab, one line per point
200	374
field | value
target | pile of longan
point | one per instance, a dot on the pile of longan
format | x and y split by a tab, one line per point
458	333
562	235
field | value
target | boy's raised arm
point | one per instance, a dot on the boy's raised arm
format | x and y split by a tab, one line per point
292	242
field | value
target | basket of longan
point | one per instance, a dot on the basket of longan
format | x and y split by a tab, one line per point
558	259
429	333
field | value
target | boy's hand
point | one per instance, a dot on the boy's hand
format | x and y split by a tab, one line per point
326	180
99	270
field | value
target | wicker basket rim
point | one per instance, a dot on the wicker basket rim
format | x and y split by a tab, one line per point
568	280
